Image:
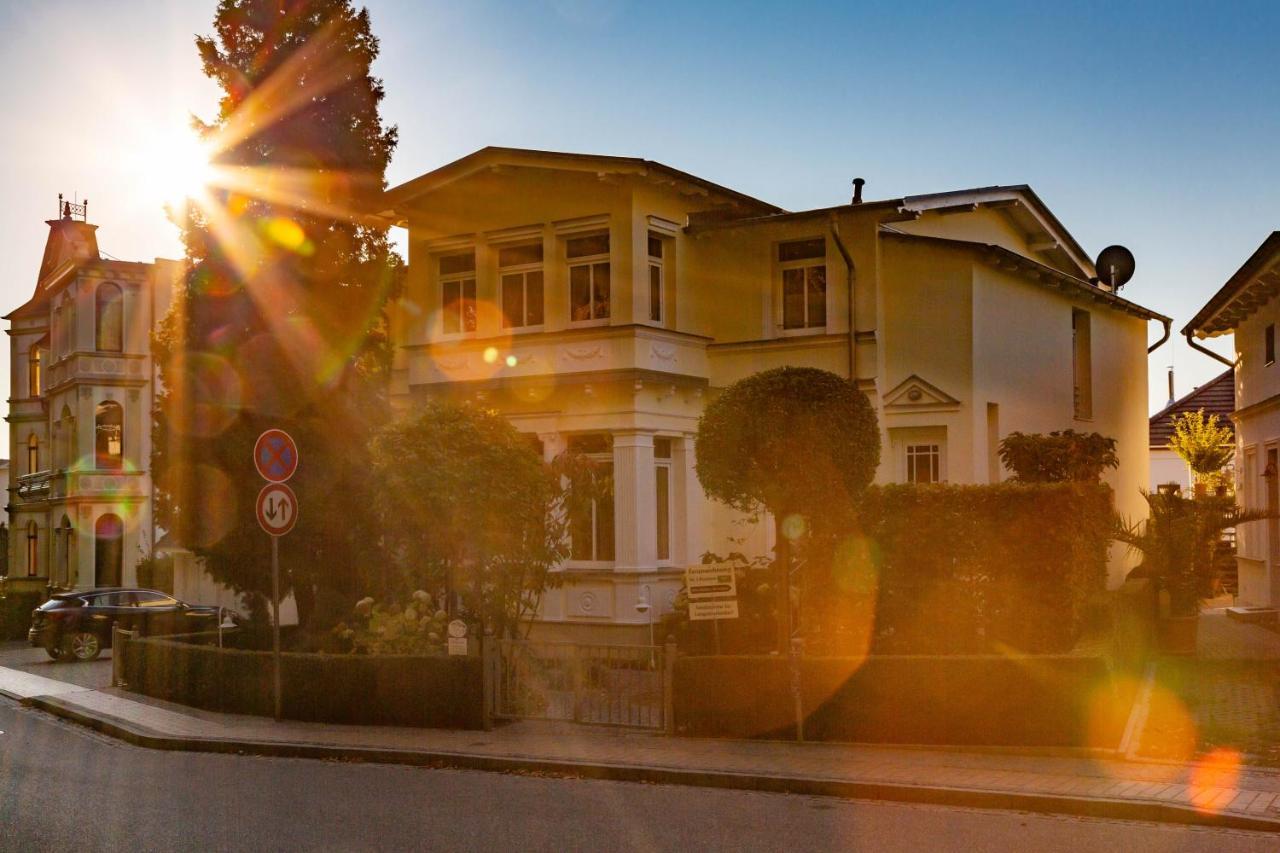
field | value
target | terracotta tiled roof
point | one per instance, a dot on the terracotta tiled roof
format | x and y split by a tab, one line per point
1216	397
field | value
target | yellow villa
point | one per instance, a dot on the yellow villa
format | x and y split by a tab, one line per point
598	301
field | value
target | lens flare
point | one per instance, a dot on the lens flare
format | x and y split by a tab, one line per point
794	526
1214	780
490	355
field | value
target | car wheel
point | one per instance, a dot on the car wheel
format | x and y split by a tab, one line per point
54	652
82	646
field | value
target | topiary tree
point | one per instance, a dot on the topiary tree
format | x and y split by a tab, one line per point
1206	447
1064	456
795	441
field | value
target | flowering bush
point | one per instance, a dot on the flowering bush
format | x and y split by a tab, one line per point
418	628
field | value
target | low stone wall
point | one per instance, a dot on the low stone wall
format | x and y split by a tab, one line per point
427	691
1032	700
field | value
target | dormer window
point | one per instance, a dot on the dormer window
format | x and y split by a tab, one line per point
458	292
520	274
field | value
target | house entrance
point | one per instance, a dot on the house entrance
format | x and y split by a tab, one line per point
604	685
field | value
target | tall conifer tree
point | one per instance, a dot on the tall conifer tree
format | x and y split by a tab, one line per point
280	321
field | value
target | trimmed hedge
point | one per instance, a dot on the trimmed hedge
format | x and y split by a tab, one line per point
15	613
1051	700
968	569
435	692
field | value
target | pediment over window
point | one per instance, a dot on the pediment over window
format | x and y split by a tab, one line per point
914	394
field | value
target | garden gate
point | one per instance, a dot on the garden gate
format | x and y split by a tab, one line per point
606	685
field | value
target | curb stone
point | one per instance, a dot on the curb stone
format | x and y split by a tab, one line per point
1046	803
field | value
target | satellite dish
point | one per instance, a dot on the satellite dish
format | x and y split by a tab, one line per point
1115	266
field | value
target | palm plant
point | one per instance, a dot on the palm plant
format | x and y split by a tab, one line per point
1178	541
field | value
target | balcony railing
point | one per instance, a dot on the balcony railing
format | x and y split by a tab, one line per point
34	487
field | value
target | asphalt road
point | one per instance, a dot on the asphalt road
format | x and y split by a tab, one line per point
95	674
63	787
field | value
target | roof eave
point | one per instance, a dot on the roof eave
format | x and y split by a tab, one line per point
1043	273
1202	325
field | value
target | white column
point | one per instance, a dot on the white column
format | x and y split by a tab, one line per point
689	505
634	505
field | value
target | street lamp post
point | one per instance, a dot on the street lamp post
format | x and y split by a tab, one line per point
643	606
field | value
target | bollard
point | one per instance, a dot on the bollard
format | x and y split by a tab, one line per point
118	638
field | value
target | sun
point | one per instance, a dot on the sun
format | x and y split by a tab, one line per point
177	168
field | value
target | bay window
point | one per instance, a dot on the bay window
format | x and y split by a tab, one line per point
458	292
588	261
520	274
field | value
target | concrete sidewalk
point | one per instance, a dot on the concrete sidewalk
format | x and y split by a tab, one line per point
1219	796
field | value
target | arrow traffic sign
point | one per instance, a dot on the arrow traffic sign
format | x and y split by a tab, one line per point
275	455
277	508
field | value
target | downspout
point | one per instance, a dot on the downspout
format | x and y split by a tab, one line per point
853	278
1188	334
1168	324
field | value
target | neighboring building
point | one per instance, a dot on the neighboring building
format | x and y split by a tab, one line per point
598	301
1247	307
81	382
1216	397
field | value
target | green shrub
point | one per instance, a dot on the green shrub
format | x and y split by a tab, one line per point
1059	457
945	569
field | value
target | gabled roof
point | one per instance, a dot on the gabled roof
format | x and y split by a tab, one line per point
1042	274
1255	284
1216	397
915	394
396	198
1024	206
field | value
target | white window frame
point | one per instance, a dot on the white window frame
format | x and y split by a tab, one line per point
664	463
916	450
590	262
781	292
594	562
460	278
657	264
523	271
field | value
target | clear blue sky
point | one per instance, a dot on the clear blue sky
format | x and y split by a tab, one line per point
1155	125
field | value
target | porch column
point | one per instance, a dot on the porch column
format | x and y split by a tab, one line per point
634	508
689	506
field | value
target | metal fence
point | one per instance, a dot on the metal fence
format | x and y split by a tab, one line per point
604	685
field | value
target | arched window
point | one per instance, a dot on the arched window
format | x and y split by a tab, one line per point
33	454
108	550
33	371
33	550
110	319
65	446
109	435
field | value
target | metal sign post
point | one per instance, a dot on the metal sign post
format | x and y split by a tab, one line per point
275	455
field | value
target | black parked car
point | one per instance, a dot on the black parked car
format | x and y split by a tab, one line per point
77	625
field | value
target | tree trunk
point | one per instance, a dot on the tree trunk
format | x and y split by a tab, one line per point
782	571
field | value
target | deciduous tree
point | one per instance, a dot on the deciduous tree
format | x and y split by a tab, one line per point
471	509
